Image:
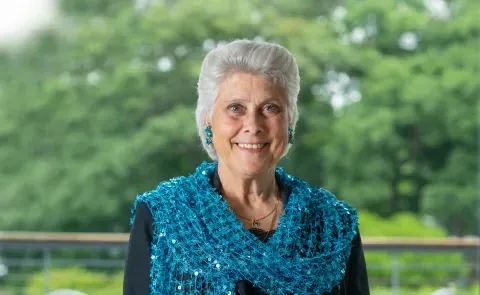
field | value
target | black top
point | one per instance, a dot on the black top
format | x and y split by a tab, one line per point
137	266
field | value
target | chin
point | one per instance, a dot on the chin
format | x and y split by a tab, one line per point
252	168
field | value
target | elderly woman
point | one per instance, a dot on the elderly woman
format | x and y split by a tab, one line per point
240	225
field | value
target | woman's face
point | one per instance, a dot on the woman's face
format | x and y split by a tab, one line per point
249	123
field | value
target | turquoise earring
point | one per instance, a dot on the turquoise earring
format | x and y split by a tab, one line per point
209	134
290	135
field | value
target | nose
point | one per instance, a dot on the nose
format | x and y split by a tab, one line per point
253	123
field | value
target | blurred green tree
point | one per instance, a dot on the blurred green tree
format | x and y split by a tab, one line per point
103	108
410	143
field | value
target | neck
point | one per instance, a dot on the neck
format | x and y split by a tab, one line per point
251	190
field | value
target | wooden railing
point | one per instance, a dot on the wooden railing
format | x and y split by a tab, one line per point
468	246
48	242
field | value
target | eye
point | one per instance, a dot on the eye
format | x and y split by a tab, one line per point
236	108
271	108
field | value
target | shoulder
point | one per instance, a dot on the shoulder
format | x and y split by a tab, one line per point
338	217
158	199
326	197
325	205
169	194
315	196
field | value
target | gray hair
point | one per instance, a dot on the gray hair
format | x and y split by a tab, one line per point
269	60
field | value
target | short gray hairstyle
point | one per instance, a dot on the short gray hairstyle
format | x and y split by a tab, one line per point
269	60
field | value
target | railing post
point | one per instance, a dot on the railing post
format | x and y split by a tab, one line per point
395	274
46	269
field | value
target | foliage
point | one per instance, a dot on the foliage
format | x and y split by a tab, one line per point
91	282
409	143
102	108
415	269
399	225
75	278
422	290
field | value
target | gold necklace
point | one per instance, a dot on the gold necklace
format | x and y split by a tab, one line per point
271	226
256	222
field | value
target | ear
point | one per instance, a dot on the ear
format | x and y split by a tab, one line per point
207	119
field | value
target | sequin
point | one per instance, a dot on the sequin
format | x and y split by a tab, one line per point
209	237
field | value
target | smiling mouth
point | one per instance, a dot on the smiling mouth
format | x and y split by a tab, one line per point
251	146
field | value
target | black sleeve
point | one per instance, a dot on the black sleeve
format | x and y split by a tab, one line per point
357	279
137	266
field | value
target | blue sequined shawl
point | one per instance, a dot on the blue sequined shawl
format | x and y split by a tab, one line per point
200	247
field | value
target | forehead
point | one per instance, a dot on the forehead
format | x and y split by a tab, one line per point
241	85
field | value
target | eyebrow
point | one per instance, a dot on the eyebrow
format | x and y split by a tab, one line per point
270	99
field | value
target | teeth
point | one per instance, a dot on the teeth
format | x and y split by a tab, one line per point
251	146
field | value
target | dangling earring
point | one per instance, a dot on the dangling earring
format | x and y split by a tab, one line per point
290	135
209	134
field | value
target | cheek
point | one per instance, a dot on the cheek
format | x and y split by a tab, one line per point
281	136
226	128
279	129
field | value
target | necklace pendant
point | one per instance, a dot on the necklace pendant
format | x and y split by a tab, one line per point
255	223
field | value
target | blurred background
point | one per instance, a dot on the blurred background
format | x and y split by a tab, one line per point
97	102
